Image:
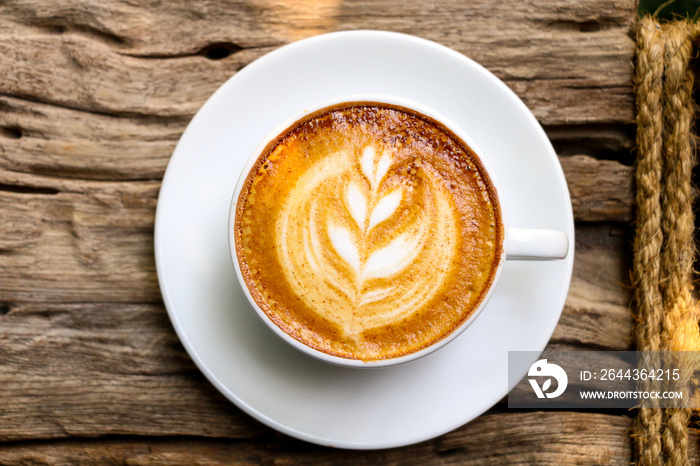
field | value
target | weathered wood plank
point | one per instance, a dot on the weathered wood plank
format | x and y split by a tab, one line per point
493	439
97	369
550	438
58	142
219	453
133	452
62	142
71	240
93	99
601	190
89	246
596	313
68	240
79	241
127	59
604	141
92	77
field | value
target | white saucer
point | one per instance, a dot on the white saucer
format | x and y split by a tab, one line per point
261	374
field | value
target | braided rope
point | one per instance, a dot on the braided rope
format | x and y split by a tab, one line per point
677	218
648	236
664	245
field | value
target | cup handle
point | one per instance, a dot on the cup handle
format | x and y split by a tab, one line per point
528	244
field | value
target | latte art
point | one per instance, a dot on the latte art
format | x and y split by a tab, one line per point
358	265
368	231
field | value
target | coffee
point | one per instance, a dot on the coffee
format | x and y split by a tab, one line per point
368	231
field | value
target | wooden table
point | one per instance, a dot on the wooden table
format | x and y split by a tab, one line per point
93	98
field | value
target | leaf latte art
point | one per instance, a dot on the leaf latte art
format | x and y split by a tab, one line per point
367	231
348	257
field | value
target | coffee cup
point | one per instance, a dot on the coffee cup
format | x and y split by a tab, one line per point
369	231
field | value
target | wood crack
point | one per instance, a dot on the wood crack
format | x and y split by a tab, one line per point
91	368
263	434
57	26
586	25
573	343
92	111
214	51
543	78
21	189
65	176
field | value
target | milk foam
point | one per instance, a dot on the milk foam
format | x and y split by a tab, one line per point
349	250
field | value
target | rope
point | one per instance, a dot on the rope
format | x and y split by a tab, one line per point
677	218
667	318
648	237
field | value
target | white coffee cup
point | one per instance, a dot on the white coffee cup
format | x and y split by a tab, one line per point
518	244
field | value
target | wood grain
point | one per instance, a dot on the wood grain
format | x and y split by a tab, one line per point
58	148
63	143
97	369
94	97
596	314
493	439
550	438
121	58
110	368
95	245
601	190
71	240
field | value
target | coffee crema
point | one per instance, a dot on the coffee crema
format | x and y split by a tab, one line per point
368	231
